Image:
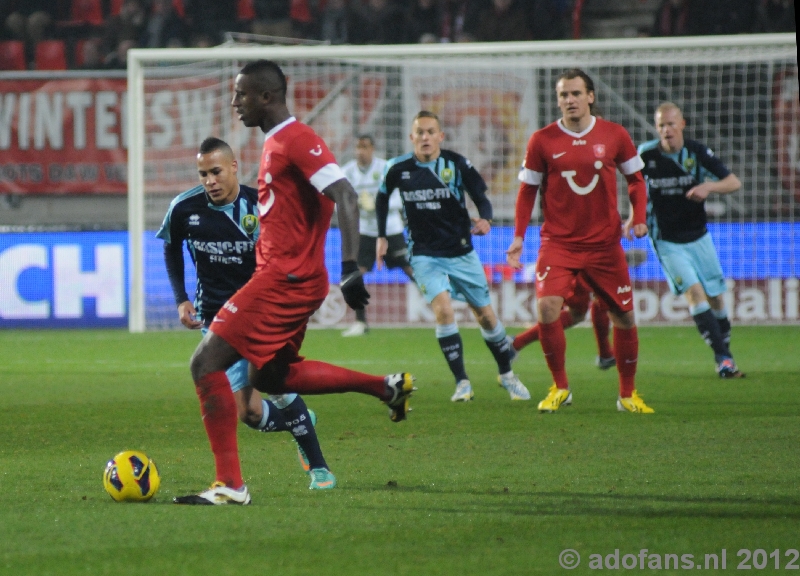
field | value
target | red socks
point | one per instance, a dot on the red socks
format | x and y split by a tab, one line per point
313	377
218	408
532	334
601	324
554	346
626	350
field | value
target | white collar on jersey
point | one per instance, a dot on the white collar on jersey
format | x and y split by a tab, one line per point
279	127
575	134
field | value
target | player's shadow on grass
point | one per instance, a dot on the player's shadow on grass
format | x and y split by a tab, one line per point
596	504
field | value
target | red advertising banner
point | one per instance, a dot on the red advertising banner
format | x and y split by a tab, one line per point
63	135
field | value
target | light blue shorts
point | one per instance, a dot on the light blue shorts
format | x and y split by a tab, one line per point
237	374
687	264
462	276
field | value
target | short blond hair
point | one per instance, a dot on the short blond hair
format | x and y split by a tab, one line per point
664	106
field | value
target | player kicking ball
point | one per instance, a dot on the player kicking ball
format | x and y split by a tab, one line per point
218	221
265	322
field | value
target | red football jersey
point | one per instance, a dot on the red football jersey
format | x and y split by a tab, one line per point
578	181
296	166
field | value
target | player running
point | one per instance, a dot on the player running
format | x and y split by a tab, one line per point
433	184
265	322
680	175
218	220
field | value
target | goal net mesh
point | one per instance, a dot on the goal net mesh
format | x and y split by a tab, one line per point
740	100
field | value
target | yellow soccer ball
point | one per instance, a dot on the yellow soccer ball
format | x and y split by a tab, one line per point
131	476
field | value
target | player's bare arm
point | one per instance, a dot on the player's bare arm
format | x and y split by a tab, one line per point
352	284
346	199
637	192
526	198
514	253
725	186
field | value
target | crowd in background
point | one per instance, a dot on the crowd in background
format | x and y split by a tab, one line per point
97	34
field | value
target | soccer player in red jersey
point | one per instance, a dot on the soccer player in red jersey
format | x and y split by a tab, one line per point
575	160
264	322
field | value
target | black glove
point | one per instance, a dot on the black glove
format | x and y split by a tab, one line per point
352	286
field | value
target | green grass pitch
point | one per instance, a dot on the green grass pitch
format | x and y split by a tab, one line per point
486	488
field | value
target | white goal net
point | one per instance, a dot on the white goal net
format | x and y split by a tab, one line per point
739	95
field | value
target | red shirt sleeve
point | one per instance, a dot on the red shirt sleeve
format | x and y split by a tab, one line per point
526	198
637	192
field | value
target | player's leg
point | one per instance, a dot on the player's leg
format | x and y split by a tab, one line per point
555	281
601	325
468	279
366	260
298	419
433	282
285	371
501	347
626	351
706	322
721	313
607	273
573	312
682	265
452	346
211	359
279	413
709	271
267	320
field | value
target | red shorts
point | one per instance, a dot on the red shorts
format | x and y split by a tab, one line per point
578	300
560	270
268	314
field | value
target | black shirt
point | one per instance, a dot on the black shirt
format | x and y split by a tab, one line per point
221	242
670	215
434	202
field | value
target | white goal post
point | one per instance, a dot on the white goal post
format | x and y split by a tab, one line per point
739	95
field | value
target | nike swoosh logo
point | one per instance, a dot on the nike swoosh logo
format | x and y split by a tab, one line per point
265	207
559	155
625	302
217	320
